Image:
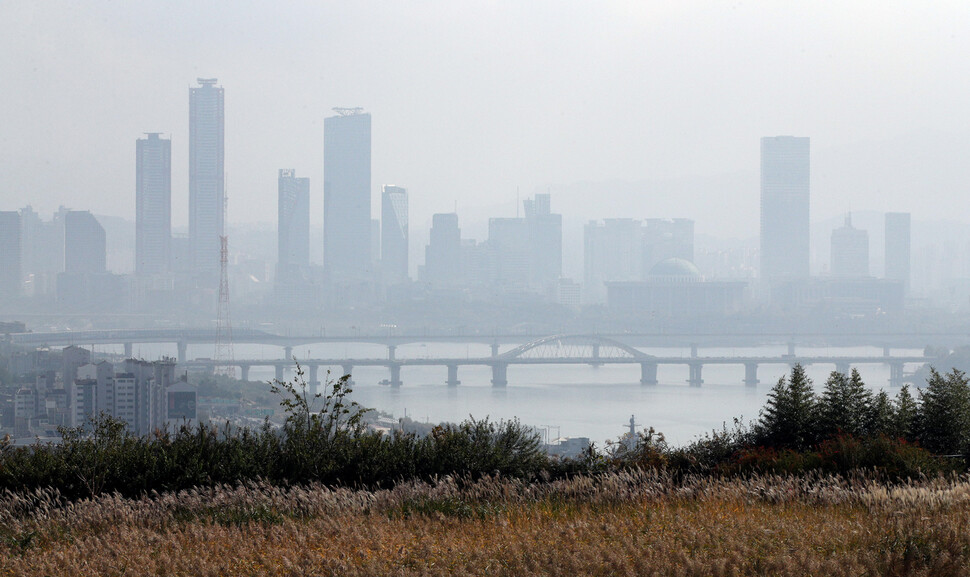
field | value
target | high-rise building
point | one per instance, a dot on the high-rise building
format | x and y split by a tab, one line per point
10	254
294	221
442	256
153	205
511	253
207	190
394	234
898	246
784	208
346	196
664	239
43	250
72	358
85	247
613	251
294	287
83	399
85	285
850	251
545	240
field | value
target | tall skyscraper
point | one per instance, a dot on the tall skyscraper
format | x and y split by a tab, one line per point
43	250
294	220
850	251
784	207
85	246
394	234
153	205
545	243
10	254
85	285
510	253
613	251
346	196
442	256
206	175
898	246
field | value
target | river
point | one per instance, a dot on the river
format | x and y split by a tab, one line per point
562	400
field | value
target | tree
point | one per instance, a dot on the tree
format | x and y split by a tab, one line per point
882	415
320	416
320	428
845	406
944	418
788	419
905	414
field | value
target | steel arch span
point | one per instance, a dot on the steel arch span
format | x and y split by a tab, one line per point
574	347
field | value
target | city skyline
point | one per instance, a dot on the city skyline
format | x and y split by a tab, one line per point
507	104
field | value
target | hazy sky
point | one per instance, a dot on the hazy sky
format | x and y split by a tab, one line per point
474	100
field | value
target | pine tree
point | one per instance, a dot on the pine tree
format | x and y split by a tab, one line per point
906	413
882	416
944	417
788	419
845	406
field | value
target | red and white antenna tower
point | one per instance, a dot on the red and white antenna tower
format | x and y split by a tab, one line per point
224	357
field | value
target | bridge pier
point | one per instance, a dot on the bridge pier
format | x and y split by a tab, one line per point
244	372
453	376
896	374
288	352
314	379
886	351
751	374
693	350
648	373
279	372
395	374
183	348
391	350
596	356
500	374
695	379
843	368
349	371
129	350
494	349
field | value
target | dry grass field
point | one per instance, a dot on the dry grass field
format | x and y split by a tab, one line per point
639	523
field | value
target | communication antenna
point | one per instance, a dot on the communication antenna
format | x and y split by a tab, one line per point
224	357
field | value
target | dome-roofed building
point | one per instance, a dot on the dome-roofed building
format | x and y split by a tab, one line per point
676	288
675	269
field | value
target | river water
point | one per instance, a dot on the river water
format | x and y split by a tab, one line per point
561	400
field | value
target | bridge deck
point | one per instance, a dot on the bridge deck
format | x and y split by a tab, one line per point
489	361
